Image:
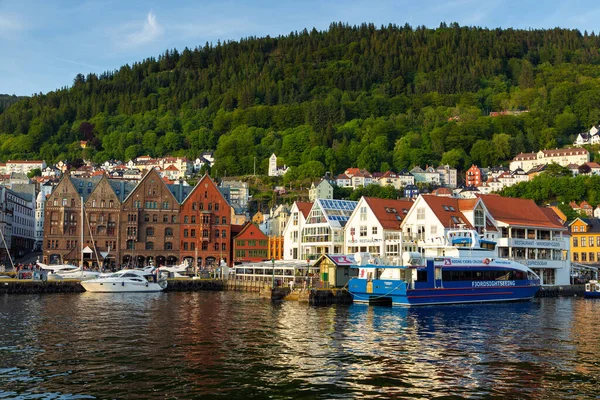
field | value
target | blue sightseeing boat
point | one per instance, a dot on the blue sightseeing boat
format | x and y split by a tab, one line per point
592	290
460	268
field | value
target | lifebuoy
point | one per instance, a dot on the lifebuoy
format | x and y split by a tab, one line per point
486	261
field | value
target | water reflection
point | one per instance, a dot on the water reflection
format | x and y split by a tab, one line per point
199	344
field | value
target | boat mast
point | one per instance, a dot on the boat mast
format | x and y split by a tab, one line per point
7	252
81	237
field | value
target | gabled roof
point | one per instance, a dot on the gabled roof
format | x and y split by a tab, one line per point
342	176
254	228
304	207
525	156
592	223
516	211
564	152
183	193
447	211
389	213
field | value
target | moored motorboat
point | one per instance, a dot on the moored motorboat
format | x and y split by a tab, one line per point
127	280
461	269
67	271
592	290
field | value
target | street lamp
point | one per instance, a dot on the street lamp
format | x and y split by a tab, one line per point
273	280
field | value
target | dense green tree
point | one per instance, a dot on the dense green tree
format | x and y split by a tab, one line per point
374	97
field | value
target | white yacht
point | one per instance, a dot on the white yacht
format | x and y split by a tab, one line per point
66	271
178	271
127	280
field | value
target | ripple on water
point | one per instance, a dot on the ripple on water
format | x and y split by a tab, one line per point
233	344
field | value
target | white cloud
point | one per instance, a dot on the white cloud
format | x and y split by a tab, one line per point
147	33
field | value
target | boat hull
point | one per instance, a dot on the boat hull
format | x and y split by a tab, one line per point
591	295
398	294
120	287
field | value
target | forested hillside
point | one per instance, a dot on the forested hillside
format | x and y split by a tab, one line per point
376	98
6	100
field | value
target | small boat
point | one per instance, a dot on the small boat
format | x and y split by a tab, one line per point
592	290
127	280
461	268
177	271
66	271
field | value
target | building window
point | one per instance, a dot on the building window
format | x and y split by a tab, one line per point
223	233
193	219
374	230
575	256
223	221
583	257
420	213
130	245
201	205
194	206
363	231
185	233
216	206
223	247
591	256
193	233
204	245
155	218
168	246
165	219
433	229
583	243
205	233
591	241
185	245
216	233
149	245
575	242
174	219
186	219
216	246
149	231
363	213
146	217
168	232
193	246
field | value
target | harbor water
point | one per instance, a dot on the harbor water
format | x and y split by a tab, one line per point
237	345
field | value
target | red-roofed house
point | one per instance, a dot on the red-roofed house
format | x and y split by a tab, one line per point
374	227
531	235
292	232
251	244
342	180
431	217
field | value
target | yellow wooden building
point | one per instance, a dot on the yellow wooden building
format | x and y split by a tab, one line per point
585	240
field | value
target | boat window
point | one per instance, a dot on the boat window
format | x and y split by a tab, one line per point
421	276
129	275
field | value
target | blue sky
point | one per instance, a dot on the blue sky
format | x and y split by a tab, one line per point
45	43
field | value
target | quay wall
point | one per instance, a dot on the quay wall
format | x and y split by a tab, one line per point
561	291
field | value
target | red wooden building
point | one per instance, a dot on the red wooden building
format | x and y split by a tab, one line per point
205	225
251	244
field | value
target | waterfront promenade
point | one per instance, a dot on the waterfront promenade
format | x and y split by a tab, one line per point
312	296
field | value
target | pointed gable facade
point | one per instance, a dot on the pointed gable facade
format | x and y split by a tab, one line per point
251	244
102	215
293	229
148	227
62	220
375	227
205	229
